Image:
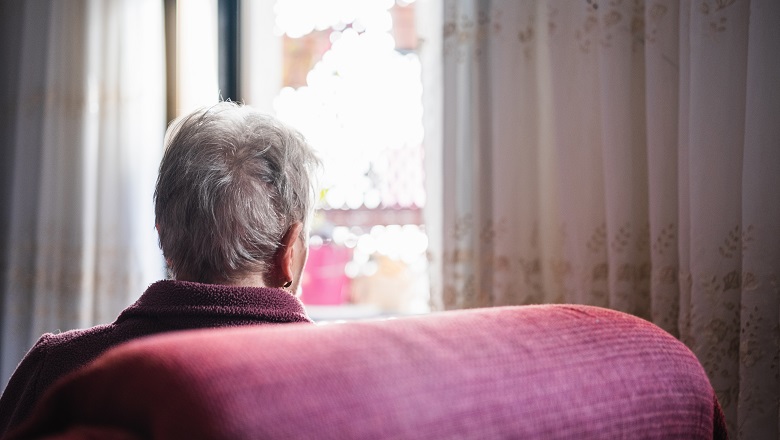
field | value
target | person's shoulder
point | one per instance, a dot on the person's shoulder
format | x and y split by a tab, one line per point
52	356
75	343
56	354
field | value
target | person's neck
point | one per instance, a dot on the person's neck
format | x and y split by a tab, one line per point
247	281
254	280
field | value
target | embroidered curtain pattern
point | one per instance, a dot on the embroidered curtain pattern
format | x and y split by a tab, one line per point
624	154
88	120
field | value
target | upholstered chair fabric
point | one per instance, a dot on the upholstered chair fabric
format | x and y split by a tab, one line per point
552	372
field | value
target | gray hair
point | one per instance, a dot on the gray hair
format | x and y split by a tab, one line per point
232	181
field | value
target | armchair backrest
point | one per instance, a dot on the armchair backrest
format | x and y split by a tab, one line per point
553	372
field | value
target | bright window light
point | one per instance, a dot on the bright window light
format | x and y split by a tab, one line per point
353	88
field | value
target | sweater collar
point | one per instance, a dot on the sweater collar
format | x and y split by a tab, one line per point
178	298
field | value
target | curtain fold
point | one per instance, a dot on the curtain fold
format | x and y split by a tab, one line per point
89	120
716	125
622	154
759	318
662	107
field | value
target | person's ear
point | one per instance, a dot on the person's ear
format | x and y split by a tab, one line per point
285	258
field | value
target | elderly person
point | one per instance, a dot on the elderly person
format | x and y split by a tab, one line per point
233	199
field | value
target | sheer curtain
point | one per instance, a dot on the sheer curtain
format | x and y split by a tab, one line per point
623	154
86	120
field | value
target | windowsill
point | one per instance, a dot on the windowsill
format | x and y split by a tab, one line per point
343	312
330	314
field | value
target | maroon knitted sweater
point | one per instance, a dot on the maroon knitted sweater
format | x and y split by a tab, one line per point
165	306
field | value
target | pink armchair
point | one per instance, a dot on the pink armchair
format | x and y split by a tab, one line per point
552	372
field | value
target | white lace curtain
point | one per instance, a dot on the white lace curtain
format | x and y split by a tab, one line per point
624	154
85	103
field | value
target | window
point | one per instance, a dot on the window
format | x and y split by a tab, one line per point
352	86
347	75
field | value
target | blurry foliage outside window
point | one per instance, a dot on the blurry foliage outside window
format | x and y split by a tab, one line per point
352	86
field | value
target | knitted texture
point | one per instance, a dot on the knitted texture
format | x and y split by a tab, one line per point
552	372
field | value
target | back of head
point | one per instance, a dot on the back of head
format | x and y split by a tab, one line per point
231	183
